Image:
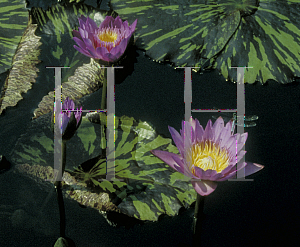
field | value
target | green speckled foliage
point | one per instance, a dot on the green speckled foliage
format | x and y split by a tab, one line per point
261	34
147	188
13	22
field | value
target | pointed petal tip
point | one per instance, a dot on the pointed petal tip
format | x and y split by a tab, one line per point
171	159
251	168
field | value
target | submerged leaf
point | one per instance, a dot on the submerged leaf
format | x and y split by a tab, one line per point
87	79
24	72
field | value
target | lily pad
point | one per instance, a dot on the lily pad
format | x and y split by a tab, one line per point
13	23
268	41
149	188
259	34
45	4
181	33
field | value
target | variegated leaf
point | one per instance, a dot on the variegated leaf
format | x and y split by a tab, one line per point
148	187
181	33
13	22
260	34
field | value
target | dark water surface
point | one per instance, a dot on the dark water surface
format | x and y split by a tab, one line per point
262	212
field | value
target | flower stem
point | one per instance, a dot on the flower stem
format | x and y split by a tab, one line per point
60	199
62	214
198	219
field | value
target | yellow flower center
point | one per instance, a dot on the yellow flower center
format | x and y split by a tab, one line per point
108	36
208	155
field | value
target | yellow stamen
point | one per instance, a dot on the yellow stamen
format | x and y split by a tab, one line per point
108	36
208	155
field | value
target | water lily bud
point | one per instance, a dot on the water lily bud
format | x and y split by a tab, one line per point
70	119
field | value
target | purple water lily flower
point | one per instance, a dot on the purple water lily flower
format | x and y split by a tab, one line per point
209	155
70	119
108	42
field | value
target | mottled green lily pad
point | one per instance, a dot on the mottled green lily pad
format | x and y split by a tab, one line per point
150	188
260	34
13	23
